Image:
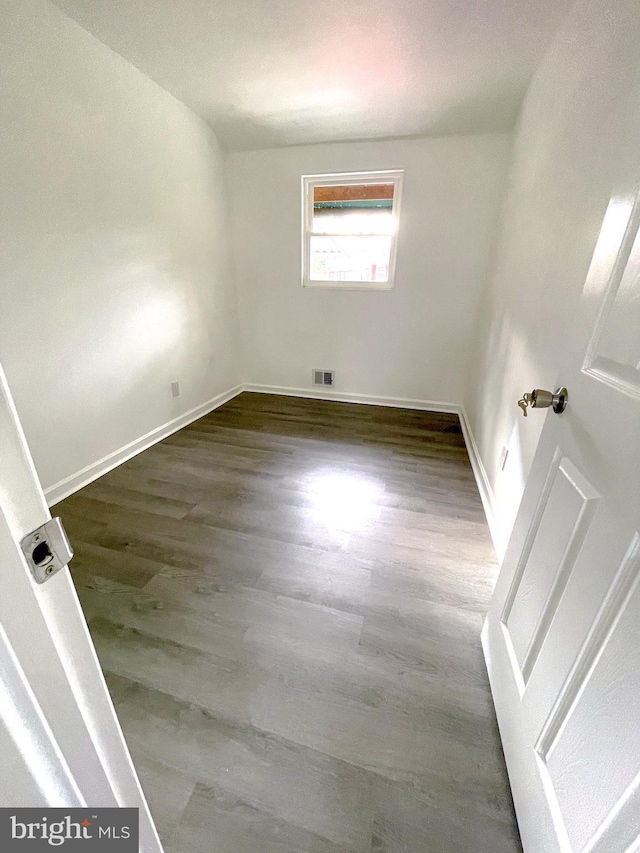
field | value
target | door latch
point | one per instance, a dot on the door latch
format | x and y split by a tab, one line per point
47	549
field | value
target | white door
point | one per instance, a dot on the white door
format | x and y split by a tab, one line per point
60	741
562	639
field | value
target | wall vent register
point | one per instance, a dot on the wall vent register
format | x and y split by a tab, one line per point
324	378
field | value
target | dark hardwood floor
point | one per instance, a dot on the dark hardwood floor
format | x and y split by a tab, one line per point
286	598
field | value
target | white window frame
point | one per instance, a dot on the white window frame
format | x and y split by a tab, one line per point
309	182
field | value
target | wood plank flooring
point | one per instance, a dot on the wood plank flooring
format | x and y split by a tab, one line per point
286	598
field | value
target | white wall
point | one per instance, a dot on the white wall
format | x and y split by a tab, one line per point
557	191
410	342
114	269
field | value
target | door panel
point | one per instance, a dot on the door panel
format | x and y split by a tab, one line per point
613	355
593	758
596	569
556	537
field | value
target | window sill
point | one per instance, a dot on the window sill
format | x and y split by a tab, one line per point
349	285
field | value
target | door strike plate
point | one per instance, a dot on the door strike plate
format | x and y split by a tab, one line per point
47	549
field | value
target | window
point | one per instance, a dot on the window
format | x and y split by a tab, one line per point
350	224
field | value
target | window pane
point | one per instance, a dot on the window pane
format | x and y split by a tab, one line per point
338	258
353	209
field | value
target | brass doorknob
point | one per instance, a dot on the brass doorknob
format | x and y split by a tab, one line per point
540	399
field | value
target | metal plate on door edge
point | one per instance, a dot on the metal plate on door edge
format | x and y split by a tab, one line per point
47	549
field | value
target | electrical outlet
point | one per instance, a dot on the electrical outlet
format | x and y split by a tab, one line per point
503	457
175	389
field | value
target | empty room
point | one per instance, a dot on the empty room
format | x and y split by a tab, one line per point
320	426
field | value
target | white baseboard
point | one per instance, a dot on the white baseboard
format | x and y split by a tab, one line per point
484	486
87	475
365	399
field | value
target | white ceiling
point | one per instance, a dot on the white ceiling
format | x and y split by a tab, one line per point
267	73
